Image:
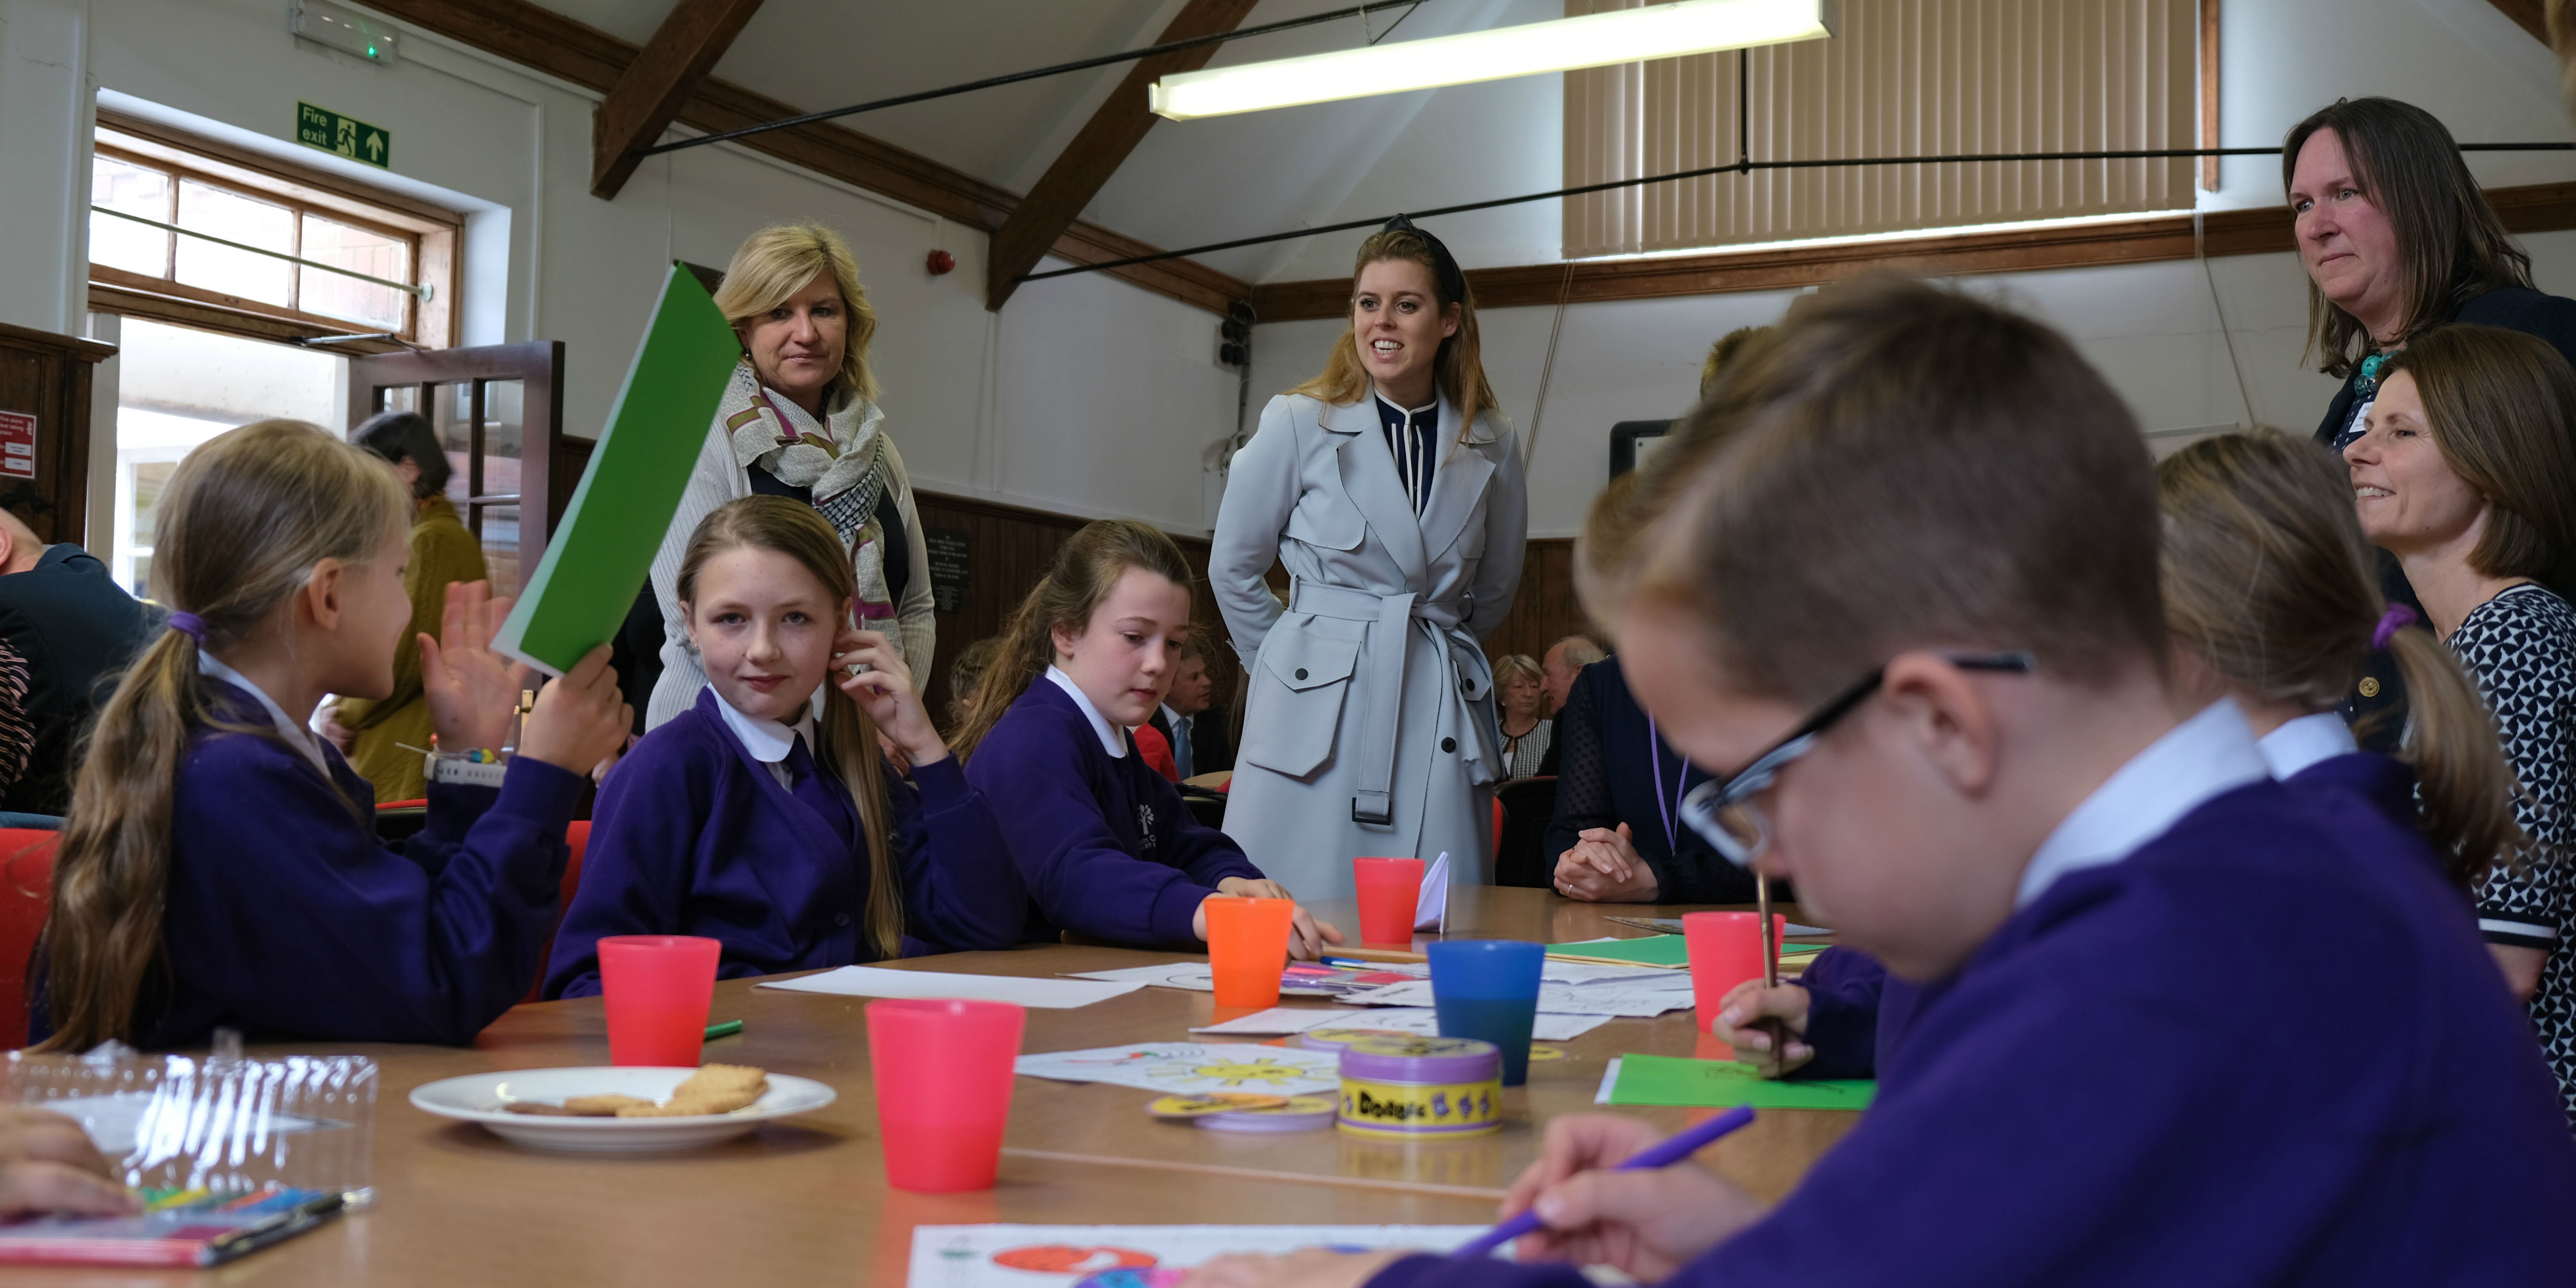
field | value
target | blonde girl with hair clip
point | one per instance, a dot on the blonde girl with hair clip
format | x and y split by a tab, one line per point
1391	488
1106	845
779	830
220	864
800	420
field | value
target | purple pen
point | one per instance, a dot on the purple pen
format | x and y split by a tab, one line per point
1669	1151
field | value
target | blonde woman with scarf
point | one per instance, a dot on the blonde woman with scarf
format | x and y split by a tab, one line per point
800	419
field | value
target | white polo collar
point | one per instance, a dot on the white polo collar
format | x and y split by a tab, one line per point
768	741
297	734
1112	738
2211	753
2300	743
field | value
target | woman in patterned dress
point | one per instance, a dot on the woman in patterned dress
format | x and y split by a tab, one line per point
2463	472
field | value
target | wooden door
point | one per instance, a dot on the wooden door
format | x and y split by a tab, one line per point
498	410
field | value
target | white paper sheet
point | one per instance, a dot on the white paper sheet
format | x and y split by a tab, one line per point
1282	1021
1198	977
1615	998
1431	910
1058	1256
870	981
1186	1067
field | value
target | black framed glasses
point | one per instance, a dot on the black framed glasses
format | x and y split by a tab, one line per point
1721	810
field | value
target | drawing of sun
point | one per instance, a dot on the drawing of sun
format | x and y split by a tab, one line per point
1241	1073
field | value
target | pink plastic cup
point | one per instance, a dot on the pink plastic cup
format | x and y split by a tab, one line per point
656	989
1725	950
1247	948
1390	890
943	1082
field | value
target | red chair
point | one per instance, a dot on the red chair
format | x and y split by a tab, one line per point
26	894
577	836
1498	827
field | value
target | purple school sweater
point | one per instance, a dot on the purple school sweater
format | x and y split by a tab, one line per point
2267	1048
286	917
1106	845
1856	1012
692	836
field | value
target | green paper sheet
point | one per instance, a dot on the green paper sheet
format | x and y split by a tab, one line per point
1653	950
583	587
1671	1080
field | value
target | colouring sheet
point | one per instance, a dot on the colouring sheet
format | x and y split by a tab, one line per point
1280	1021
1177	1067
1132	1256
1300	979
1640	999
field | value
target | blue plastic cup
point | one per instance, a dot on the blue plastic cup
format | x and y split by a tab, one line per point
1487	989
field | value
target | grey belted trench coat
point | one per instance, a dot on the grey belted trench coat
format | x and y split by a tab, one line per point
1369	726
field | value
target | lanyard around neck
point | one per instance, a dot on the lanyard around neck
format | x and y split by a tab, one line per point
1655	759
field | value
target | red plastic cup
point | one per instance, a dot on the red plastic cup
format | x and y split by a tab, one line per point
943	1080
1390	892
656	987
1725	950
1247	948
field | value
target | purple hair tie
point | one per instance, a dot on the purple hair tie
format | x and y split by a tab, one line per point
190	625
2397	618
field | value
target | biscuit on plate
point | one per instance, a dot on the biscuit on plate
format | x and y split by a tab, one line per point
602	1106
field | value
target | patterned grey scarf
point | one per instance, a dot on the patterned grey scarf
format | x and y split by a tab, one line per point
841	459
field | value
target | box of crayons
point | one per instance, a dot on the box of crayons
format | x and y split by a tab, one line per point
176	1228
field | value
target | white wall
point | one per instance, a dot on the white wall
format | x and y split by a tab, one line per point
979	406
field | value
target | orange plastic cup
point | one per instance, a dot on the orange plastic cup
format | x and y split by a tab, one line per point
1390	890
1725	950
1248	947
655	988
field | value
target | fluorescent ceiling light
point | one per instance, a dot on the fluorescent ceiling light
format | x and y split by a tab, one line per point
1595	40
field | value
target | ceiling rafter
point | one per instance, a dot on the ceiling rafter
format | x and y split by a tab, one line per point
1085	165
583	55
649	94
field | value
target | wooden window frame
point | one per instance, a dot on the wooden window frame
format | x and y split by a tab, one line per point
434	234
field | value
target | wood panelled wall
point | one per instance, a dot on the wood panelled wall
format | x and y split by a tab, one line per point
1013	547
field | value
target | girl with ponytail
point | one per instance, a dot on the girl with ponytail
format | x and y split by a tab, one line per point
1105	844
2272	595
765	817
220	864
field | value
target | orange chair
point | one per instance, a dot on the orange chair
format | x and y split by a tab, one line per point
577	836
26	894
1498	827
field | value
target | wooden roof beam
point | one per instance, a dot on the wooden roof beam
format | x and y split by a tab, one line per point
1077	176
650	93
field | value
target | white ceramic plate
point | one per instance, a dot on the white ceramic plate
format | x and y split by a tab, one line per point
481	1097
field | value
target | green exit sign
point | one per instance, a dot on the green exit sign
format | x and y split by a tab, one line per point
346	136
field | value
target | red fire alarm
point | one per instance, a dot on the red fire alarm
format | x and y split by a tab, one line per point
942	263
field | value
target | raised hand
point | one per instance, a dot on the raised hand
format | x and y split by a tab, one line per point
886	692
472	691
580	719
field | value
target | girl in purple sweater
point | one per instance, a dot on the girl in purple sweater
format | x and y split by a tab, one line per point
1106	845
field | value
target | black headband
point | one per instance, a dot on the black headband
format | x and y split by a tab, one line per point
1444	266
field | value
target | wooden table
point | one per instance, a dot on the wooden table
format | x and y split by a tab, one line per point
805	1200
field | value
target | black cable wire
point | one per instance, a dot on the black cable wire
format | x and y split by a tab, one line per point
1732	167
991	82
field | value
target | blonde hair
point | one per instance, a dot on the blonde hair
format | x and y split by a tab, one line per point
1517	666
241	525
1458	368
2268	579
782	259
1905	466
1086	569
847	737
1723	354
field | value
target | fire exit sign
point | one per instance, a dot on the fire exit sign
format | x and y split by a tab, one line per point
347	136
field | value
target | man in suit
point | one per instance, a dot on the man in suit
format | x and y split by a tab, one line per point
66	629
1198	746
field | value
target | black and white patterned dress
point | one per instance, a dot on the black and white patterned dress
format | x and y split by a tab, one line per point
2521	646
1527	752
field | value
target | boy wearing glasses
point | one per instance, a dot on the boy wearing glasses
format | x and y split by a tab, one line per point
2173	1022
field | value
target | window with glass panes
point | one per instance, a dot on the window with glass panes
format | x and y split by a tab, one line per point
136	179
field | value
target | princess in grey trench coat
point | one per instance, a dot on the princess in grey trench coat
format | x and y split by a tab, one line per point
1370	725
